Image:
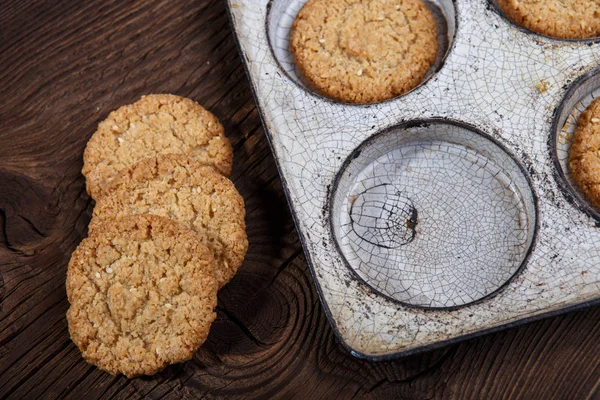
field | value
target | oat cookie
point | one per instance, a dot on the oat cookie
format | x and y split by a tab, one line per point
142	295
364	51
566	19
584	154
156	124
182	189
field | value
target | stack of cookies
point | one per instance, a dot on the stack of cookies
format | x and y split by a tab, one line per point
168	231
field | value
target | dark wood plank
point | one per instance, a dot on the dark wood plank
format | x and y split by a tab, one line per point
63	67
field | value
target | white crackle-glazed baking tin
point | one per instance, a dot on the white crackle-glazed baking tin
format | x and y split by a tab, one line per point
445	212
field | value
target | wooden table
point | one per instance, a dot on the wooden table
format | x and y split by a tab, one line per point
63	68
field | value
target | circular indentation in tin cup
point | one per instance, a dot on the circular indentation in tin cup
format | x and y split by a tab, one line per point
433	214
578	98
282	13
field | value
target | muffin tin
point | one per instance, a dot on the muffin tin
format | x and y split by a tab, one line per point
445	212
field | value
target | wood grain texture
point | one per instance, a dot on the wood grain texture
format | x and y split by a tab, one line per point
63	67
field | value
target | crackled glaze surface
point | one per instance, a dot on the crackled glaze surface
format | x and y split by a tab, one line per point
501	80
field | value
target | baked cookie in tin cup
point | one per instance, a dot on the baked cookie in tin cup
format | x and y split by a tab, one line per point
364	51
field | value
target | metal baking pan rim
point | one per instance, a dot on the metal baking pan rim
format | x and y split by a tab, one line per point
323	301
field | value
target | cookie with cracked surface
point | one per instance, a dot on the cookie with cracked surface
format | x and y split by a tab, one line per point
142	295
584	154
184	190
155	124
359	51
565	19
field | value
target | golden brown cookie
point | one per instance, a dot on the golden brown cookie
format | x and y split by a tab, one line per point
584	154
566	19
142	295
156	124
364	51
182	189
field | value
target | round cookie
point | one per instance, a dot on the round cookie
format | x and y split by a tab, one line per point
566	19
360	51
584	154
182	189
156	124
142	295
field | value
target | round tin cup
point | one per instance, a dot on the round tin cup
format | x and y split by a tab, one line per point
579	96
494	5
282	13
433	214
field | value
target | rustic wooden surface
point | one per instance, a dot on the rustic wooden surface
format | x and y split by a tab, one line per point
63	67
